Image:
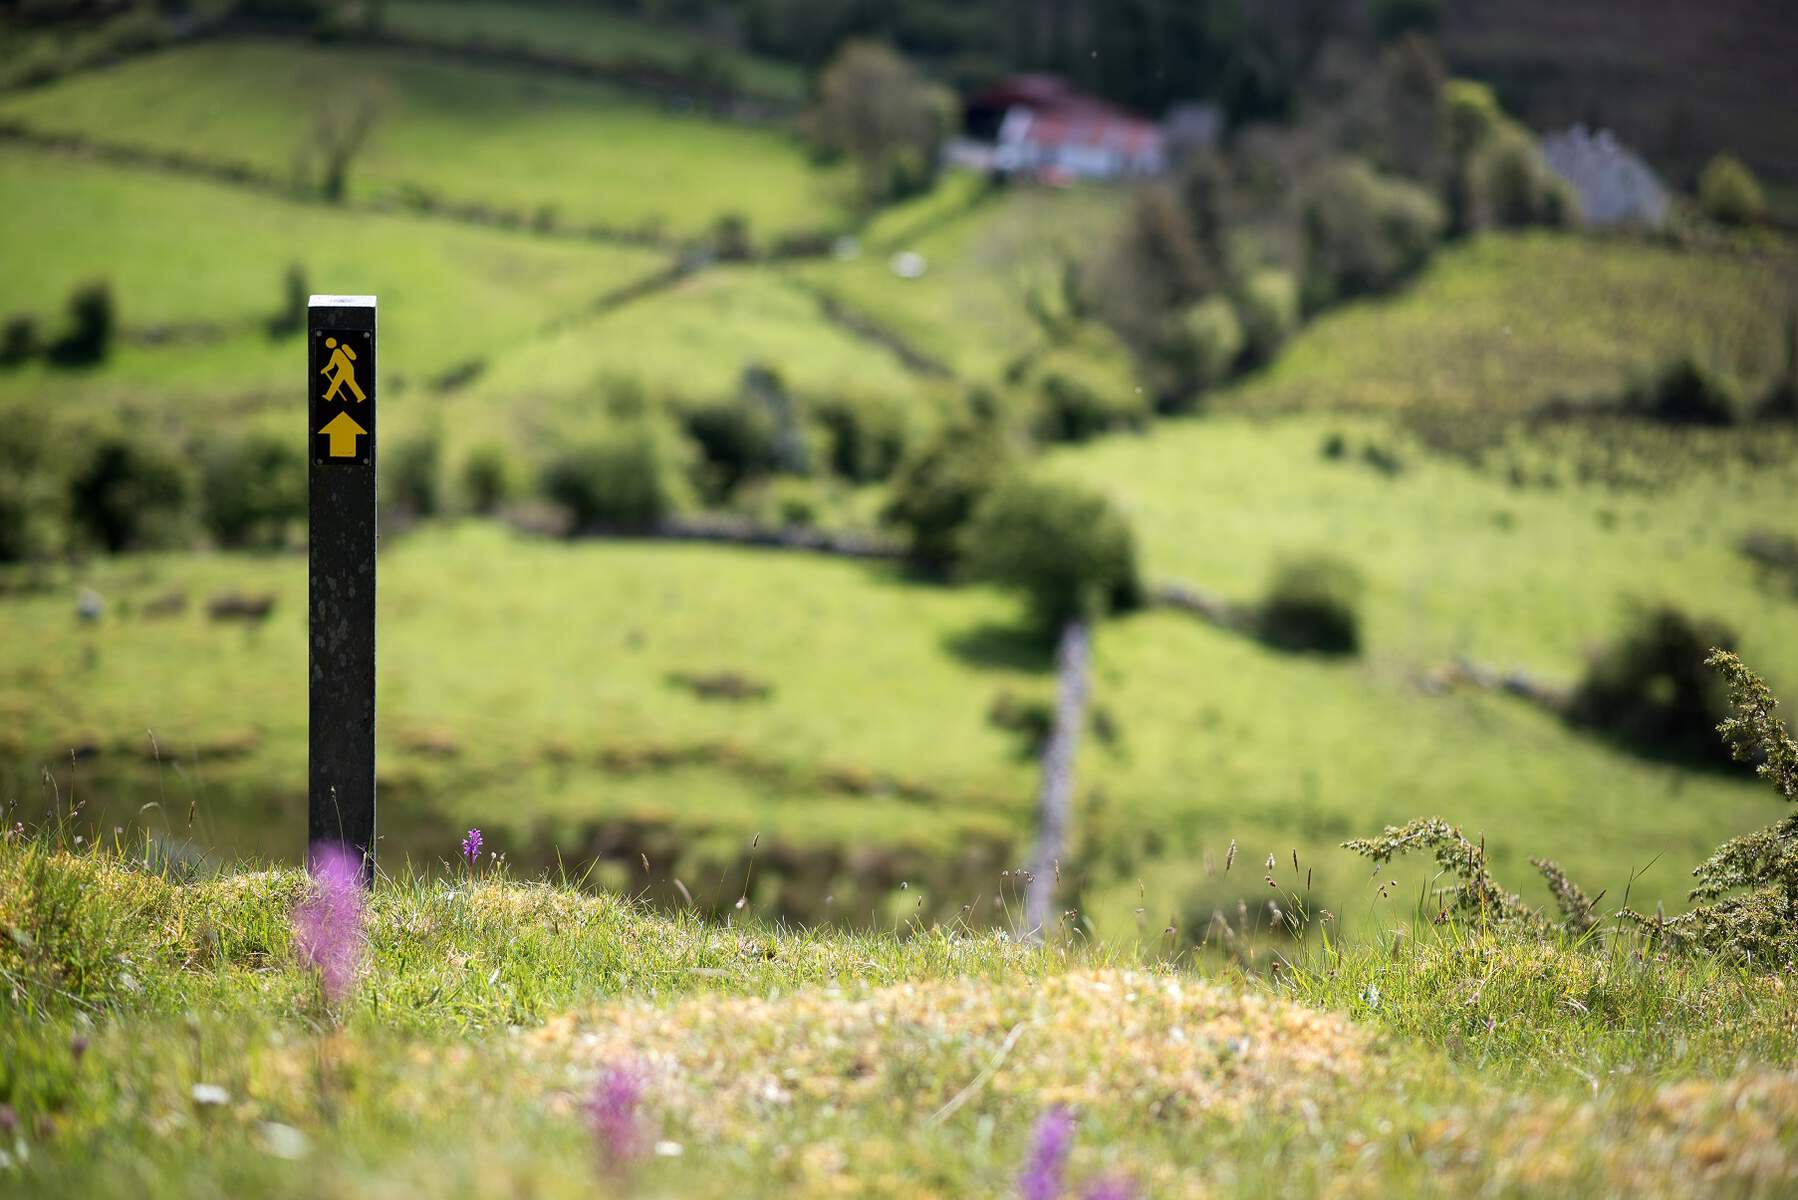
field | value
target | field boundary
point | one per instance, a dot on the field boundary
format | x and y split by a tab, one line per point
269	183
860	325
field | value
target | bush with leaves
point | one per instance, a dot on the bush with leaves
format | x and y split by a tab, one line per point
1068	550
1313	604
1200	346
736	441
253	491
33	493
489	478
296	294
939	485
874	108
625	480
1476	894
1267	304
1649	687
1363	232
1749	887
1685	391
1510	185
1729	192
18	340
1747	890
868	435
92	322
412	476
129	493
1497	176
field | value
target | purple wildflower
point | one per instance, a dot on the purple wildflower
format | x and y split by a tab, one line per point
1111	1187
328	923
471	846
1049	1147
615	1117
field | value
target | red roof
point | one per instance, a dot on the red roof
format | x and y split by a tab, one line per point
1046	94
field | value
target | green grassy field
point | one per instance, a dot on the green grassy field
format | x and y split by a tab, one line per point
184	253
982	256
1510	322
584	153
769	1062
694	339
525	688
598	37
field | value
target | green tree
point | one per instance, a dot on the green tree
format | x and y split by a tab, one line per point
939	485
875	109
130	493
627	479
252	491
92	323
1070	551
1729	192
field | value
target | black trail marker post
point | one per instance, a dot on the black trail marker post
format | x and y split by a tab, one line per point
340	389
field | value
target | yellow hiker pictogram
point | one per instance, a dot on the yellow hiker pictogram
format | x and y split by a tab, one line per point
343	432
342	372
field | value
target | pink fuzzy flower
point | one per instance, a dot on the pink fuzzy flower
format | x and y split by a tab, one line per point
328	923
1054	1137
615	1116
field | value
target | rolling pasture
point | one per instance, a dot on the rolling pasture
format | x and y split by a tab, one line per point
541	147
545	690
737	912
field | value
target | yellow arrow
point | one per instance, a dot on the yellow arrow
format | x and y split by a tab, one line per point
343	432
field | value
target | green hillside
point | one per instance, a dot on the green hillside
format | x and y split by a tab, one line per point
577	153
863	742
1510	323
535	687
206	262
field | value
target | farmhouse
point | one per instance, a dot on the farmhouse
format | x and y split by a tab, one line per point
1038	125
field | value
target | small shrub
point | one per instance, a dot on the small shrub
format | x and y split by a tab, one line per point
1512	187
735	440
1313	604
1070	551
939	485
868	436
296	294
626	480
130	493
412	475
18	340
1686	392
794	502
1075	411
1364	233
1085	386
91	326
489	478
252	491
1268	307
730	237
1477	895
1650	687
32	491
1200	345
1749	887
1728	192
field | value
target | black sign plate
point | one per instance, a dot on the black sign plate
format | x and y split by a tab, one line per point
343	397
